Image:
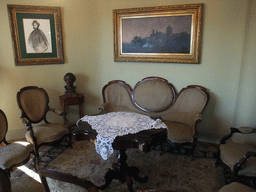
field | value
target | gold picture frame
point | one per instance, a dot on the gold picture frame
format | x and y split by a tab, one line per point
169	34
36	34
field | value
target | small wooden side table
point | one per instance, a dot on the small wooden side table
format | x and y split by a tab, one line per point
77	99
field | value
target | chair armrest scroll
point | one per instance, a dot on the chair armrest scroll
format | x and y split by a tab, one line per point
103	107
242	161
24	121
64	115
189	118
57	112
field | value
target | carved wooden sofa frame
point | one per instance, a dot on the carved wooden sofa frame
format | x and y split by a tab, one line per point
157	98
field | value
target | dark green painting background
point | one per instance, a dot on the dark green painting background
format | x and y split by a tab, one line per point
35	16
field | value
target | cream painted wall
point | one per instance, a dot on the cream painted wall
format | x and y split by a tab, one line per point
88	48
246	110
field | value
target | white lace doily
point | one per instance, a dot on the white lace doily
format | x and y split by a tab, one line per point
110	125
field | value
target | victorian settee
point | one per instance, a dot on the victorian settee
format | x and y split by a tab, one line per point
157	98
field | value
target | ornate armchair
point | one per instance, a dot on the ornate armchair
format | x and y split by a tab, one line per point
12	154
34	105
238	159
57	181
157	98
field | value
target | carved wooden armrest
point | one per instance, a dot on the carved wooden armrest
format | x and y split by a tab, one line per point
188	118
24	121
240	164
103	107
57	111
64	115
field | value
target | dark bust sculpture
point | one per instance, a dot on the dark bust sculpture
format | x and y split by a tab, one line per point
70	78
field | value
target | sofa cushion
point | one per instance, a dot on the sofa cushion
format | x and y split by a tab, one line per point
179	132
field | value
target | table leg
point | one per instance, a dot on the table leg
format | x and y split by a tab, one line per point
123	173
64	108
81	114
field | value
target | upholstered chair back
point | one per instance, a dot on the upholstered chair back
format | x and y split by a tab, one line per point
3	126
34	103
191	99
153	94
247	136
118	96
150	95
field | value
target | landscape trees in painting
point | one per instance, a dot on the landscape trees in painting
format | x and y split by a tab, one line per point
168	35
162	34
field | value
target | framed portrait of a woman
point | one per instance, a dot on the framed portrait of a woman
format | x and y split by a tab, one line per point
36	34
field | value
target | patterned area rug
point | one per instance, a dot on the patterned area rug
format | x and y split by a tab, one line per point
169	172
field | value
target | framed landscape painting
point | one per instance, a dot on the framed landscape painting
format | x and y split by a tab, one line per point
36	34
169	34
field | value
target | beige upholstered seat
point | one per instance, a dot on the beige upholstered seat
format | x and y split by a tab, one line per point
33	102
179	132
238	158
51	132
12	154
157	98
231	154
236	187
54	181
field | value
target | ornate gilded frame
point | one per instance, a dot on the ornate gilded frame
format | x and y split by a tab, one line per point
29	50
142	49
